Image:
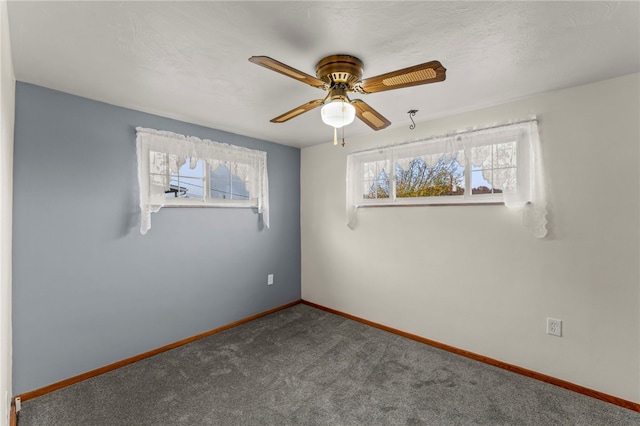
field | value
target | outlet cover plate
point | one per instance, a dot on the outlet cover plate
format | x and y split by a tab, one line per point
554	327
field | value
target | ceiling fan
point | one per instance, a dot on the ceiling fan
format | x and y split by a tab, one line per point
341	74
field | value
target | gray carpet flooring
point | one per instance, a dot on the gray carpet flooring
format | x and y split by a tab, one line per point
303	366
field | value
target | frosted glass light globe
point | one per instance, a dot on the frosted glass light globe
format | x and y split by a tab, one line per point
338	114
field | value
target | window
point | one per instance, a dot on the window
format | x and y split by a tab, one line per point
176	170
196	181
494	165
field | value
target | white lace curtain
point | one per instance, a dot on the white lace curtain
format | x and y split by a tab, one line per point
172	150
496	150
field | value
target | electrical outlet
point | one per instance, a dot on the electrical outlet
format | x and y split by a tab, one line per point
554	327
270	279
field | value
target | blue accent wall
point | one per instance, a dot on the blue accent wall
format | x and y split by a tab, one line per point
88	289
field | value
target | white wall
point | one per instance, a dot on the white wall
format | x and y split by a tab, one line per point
471	276
7	107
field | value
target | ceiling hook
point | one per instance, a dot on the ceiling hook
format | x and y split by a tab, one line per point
412	113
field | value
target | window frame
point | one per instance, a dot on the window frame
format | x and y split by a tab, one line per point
464	141
207	200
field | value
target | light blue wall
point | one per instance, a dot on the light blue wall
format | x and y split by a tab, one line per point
88	289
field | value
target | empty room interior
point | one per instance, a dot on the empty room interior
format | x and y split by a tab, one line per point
454	177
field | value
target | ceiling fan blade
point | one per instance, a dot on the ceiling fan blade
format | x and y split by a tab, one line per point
430	72
370	116
297	111
284	69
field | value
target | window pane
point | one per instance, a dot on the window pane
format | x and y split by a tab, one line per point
229	181
376	180
429	177
505	155
188	180
494	168
504	167
480	184
158	166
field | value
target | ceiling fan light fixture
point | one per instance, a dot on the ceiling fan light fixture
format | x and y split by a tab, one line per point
338	113
342	74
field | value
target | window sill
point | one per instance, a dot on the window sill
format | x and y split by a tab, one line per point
492	203
203	205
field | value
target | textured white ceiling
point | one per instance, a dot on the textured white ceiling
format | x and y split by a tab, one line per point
188	60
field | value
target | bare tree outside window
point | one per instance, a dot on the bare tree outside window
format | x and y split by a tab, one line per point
420	180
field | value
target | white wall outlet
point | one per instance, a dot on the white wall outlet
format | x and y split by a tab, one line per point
270	279
554	327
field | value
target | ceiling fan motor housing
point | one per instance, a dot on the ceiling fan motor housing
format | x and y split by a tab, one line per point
337	69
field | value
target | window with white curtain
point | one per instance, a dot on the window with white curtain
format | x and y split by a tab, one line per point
177	170
500	164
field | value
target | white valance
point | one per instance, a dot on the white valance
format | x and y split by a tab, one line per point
509	156
161	153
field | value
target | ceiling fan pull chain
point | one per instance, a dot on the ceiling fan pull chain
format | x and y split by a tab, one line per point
335	136
343	137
